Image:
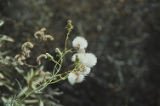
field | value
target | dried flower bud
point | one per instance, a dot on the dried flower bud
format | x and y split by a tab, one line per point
40	57
26	46
25	49
42	36
48	37
20	59
26	53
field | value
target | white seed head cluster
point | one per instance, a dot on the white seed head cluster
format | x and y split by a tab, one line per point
86	71
75	77
80	42
87	61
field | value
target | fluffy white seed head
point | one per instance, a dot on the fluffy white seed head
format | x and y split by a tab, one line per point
75	77
80	78
92	60
72	78
80	42
88	59
86	71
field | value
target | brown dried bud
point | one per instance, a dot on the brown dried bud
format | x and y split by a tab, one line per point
48	37
40	57
27	45
41	35
25	49
26	53
20	59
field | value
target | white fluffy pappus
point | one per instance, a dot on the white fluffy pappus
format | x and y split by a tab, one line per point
80	42
75	77
86	71
88	59
72	78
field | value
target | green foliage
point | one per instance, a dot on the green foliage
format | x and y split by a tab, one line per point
34	78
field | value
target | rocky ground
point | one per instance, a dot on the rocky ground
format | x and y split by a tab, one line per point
124	35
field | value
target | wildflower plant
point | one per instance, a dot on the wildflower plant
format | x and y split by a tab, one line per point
38	78
84	61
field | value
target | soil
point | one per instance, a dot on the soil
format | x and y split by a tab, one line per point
123	34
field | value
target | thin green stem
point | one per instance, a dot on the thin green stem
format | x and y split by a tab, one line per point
66	40
69	28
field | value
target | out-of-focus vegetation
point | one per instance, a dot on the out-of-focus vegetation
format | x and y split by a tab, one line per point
20	86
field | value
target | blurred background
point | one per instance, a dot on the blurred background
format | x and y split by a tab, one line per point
123	34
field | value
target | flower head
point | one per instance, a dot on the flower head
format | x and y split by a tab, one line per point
86	71
85	61
80	43
88	59
75	77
